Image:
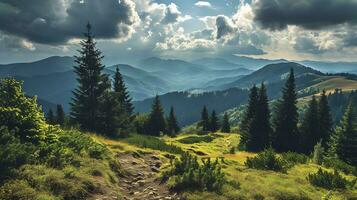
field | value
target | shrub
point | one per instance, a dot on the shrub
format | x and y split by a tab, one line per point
196	139
338	164
328	180
232	150
190	175
145	141
17	190
295	158
267	160
318	154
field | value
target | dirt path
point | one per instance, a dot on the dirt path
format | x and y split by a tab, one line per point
141	182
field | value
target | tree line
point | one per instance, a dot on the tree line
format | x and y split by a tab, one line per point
284	132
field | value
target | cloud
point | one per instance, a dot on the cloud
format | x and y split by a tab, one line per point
224	26
307	45
203	4
56	22
309	14
173	15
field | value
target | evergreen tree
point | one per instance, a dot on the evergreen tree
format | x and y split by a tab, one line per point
226	127
205	121
325	123
114	120
343	142
121	89
92	84
172	126
156	122
60	115
310	135
50	118
247	119
261	129
286	119
214	124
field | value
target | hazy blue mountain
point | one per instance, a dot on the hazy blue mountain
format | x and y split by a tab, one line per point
271	73
217	63
188	105
41	67
251	63
331	67
172	66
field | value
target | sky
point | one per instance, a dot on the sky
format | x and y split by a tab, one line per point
129	30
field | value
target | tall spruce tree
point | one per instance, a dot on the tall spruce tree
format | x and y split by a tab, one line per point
123	94
249	115
205	121
261	129
226	127
343	143
310	134
60	115
156	123
50	118
214	124
172	126
325	123
286	119
92	84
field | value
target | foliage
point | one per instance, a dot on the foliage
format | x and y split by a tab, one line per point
318	154
343	142
17	190
255	125
205	121
140	123
328	180
286	118
122	91
196	139
20	112
145	141
294	158
325	122
267	160
190	175
226	127
172	125
214	124
92	84
309	130
60	115
156	123
338	164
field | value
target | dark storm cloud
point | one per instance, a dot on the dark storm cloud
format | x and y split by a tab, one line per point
223	27
310	14
54	21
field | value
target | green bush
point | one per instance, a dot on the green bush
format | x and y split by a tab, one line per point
318	154
295	158
188	174
145	141
328	180
338	164
267	160
17	190
196	139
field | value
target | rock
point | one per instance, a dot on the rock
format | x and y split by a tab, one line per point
158	164
141	183
136	193
155	158
155	169
168	198
134	163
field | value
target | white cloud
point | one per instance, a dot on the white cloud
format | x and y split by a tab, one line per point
203	4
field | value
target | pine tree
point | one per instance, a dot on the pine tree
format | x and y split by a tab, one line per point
50	118
214	125
121	89
226	127
325	123
205	122
92	84
247	119
343	142
261	122
60	115
286	119
114	120
172	126
156	122
310	135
